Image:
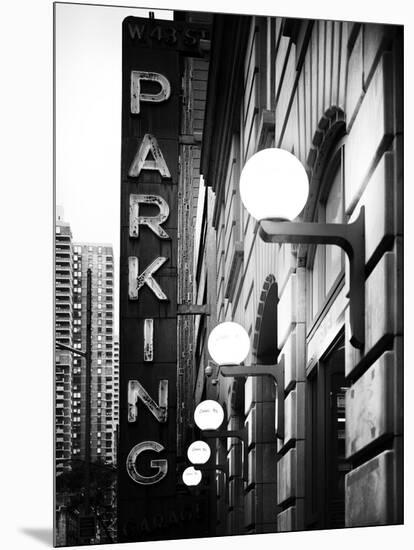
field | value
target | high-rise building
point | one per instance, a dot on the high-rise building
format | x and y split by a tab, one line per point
99	259
63	328
115	378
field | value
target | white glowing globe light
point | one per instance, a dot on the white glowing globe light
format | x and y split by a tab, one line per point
274	185
209	415
191	476
198	452
228	344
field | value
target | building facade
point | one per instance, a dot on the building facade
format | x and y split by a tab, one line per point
63	335
98	258
192	117
331	93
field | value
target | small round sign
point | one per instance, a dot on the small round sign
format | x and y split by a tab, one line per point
198	452
209	415
191	476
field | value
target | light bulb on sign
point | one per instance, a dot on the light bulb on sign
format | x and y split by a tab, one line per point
198	452
228	344
209	415
191	476
274	185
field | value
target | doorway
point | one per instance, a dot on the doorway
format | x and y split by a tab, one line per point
326	464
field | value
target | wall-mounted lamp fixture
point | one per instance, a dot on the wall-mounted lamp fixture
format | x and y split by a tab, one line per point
198	453
215	467
233	339
209	416
191	477
274	190
226	434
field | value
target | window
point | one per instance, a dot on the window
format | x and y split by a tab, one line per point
333	214
326	262
57	229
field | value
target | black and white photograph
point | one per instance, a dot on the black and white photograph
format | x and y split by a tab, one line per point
227	229
230	361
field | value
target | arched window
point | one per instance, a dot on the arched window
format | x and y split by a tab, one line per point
326	263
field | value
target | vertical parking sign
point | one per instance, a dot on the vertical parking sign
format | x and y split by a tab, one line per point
151	87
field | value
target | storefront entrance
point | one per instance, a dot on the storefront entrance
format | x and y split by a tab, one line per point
325	441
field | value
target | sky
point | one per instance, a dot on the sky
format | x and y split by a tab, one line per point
88	119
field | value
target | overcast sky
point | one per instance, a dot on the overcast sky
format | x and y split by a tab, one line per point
88	119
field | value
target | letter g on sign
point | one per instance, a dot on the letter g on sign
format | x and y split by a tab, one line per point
160	465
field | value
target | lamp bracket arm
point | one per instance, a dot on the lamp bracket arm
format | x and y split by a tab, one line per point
259	369
349	236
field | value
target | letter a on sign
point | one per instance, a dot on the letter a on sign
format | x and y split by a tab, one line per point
137	95
141	162
137	281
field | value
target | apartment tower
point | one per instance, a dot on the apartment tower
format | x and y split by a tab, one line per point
99	259
63	328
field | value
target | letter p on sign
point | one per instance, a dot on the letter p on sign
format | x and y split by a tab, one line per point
137	95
